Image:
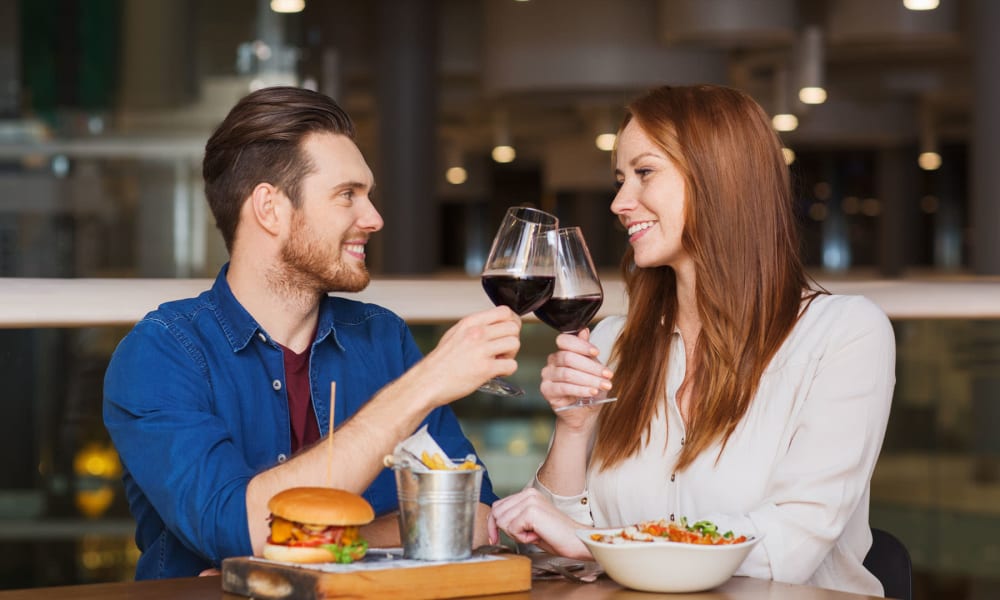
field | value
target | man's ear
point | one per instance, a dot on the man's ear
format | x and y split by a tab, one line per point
268	207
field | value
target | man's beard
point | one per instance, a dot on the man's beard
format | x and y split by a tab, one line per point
311	264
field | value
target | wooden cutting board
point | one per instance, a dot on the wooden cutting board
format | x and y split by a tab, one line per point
387	577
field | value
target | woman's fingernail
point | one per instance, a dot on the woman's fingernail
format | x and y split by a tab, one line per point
606	385
607	374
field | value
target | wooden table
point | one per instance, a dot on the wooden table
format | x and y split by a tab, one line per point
204	588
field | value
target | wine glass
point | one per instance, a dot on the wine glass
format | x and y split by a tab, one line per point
519	272
577	294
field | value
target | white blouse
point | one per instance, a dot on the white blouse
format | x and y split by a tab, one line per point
798	467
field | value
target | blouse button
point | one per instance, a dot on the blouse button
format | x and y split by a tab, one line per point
262	337
672	476
583	500
682	441
282	458
276	384
671	516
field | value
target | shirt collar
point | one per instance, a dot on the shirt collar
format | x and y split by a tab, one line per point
240	326
326	324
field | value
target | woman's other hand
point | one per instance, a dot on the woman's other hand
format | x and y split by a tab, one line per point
529	518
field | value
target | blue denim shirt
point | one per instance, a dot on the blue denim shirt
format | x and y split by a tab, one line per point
194	400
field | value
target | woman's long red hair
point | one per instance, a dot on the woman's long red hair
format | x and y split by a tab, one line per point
741	233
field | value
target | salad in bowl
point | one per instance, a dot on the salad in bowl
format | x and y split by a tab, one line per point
668	556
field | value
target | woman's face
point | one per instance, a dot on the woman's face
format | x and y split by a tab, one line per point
650	200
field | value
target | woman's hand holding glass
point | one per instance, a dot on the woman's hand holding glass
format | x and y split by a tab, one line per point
573	372
576	297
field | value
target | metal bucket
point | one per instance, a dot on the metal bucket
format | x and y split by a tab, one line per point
437	512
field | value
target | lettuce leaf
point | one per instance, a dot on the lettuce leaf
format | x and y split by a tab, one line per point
347	554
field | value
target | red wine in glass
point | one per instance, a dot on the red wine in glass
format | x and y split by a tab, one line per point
521	294
519	272
576	295
569	315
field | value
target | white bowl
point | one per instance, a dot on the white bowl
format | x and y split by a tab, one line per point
664	566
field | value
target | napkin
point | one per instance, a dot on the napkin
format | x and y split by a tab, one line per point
414	450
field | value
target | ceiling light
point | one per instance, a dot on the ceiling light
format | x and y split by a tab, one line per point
812	95
785	122
605	141
601	123
503	153
920	4
929	161
454	160
811	66
456	175
929	158
783	119
288	6
503	149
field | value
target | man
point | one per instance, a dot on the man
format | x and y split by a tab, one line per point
207	398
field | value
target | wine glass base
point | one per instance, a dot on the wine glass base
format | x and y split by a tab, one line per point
499	387
584	403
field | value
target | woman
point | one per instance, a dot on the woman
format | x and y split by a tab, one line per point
745	396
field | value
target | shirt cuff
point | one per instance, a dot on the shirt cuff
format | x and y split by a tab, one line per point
575	507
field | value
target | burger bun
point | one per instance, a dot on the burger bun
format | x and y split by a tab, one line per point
297	554
321	506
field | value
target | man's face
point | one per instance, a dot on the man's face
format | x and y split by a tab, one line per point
325	250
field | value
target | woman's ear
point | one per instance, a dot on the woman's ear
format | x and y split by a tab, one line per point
268	207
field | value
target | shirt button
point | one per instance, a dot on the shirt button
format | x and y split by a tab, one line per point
583	500
282	458
682	441
671	516
262	337
276	384
672	475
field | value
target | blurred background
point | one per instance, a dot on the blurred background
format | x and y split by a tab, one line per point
889	111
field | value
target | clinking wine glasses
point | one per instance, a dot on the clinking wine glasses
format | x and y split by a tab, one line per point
576	294
520	270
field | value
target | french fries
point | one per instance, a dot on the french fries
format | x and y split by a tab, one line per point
437	462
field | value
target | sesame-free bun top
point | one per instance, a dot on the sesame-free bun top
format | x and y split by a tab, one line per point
321	506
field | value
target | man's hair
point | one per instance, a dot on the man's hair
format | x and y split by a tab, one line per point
260	141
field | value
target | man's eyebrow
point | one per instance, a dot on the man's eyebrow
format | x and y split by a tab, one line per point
351	185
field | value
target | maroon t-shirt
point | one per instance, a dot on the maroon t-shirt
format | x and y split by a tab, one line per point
305	429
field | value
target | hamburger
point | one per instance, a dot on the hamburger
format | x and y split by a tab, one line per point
316	525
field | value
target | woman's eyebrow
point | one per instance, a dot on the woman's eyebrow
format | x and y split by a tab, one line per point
639	157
